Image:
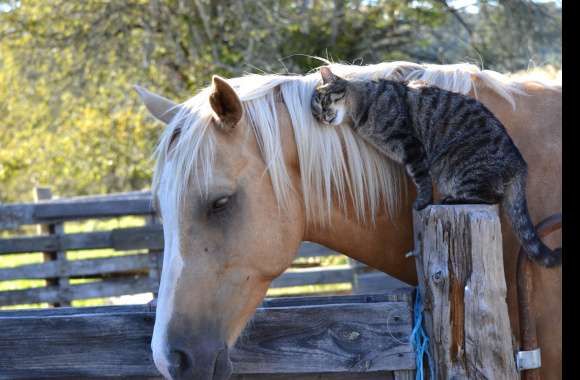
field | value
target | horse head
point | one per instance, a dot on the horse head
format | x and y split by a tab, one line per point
225	236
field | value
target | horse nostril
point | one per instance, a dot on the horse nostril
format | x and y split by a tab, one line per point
179	364
223	365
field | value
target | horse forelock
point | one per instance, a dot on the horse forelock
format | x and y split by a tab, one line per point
334	164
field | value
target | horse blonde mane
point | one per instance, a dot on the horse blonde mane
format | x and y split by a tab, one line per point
335	165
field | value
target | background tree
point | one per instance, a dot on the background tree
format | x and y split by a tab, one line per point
69	116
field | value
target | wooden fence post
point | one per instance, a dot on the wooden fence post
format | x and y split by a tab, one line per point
461	278
42	194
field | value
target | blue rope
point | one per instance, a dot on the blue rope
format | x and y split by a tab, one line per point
420	340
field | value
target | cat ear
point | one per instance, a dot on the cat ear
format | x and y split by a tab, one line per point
327	75
225	102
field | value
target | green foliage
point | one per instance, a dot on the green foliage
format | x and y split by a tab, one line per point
70	119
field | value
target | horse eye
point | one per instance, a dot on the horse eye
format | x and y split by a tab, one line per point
220	203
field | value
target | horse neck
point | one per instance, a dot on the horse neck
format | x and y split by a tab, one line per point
381	245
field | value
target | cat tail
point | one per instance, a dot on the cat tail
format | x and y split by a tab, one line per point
515	206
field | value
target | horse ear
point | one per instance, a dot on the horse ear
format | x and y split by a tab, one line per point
327	75
161	108
225	102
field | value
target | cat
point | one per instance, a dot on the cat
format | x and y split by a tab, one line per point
437	135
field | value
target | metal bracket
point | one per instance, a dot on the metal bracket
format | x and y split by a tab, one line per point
528	359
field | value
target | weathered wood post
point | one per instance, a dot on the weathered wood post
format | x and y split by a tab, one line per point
461	277
43	194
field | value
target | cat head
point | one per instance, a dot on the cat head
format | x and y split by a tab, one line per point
329	99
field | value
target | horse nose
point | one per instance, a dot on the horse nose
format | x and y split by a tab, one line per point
180	365
214	365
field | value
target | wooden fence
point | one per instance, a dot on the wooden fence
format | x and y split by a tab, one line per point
135	272
341	337
459	262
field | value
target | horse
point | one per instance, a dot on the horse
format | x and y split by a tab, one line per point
244	174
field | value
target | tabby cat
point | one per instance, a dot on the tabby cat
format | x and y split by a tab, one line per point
441	135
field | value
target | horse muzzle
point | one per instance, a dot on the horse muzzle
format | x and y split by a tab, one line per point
195	361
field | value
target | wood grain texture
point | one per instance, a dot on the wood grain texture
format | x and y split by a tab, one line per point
380	375
329	338
461	277
350	337
400	295
14	215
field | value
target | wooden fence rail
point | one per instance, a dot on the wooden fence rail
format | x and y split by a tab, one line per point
13	216
356	337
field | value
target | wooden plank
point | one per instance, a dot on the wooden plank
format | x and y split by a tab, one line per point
461	277
377	282
15	215
146	237
381	375
345	338
314	276
120	239
78	268
29	244
404	375
357	338
106	197
105	288
400	295
89	310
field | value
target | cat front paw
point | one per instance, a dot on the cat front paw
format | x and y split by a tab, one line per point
421	203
